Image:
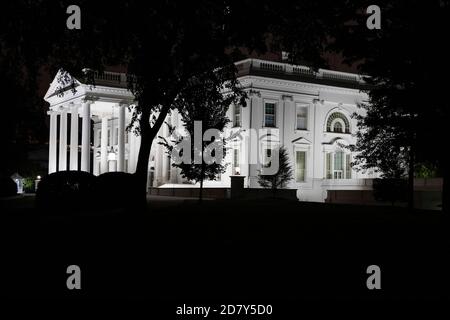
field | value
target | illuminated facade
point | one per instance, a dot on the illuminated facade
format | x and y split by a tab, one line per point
307	112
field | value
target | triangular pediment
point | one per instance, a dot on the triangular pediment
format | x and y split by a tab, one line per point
337	141
61	83
301	141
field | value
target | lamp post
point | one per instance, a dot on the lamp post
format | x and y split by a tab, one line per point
36	183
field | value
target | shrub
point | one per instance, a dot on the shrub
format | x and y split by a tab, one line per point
392	190
28	185
117	190
66	191
8	187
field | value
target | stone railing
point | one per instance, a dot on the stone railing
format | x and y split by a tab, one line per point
108	78
248	66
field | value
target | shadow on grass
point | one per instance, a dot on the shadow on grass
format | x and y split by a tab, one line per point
224	249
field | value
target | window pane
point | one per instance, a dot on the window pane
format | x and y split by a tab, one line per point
348	168
269	115
267	157
236	158
300	166
328	165
337	127
345	125
237	116
169	168
338	161
302	114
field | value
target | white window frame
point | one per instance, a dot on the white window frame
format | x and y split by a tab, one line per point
237	123
99	137
299	105
305	169
336	174
333	123
275	103
265	163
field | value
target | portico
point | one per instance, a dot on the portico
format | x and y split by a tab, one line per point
95	119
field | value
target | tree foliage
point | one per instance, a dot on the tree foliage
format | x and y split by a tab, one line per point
406	61
284	174
206	101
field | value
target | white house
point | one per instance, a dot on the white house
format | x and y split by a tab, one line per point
307	112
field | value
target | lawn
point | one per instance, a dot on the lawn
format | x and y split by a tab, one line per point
270	250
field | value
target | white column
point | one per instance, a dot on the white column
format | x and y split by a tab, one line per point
104	146
332	165
137	145
63	141
164	167
158	166
52	142
121	140
131	152
86	137
74	138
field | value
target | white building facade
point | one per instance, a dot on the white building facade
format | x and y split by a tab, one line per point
309	113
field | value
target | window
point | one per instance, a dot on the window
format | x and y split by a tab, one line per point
236	164
300	161
337	127
338	172
302	117
237	116
109	137
126	166
328	165
267	156
169	168
99	135
337	122
338	165
348	167
116	136
126	136
269	114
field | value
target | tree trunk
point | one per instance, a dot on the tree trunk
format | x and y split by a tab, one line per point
446	190
411	179
202	177
148	134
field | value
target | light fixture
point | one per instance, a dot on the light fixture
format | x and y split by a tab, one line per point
111	153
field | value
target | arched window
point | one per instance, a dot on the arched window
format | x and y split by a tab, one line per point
337	122
337	127
338	165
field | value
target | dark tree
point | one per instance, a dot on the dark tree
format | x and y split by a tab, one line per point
164	45
280	179
406	60
205	103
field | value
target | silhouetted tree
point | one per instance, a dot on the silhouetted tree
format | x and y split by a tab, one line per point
406	60
163	44
205	101
280	179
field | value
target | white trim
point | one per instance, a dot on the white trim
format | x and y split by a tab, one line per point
270	101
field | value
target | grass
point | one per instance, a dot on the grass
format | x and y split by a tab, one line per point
220	250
